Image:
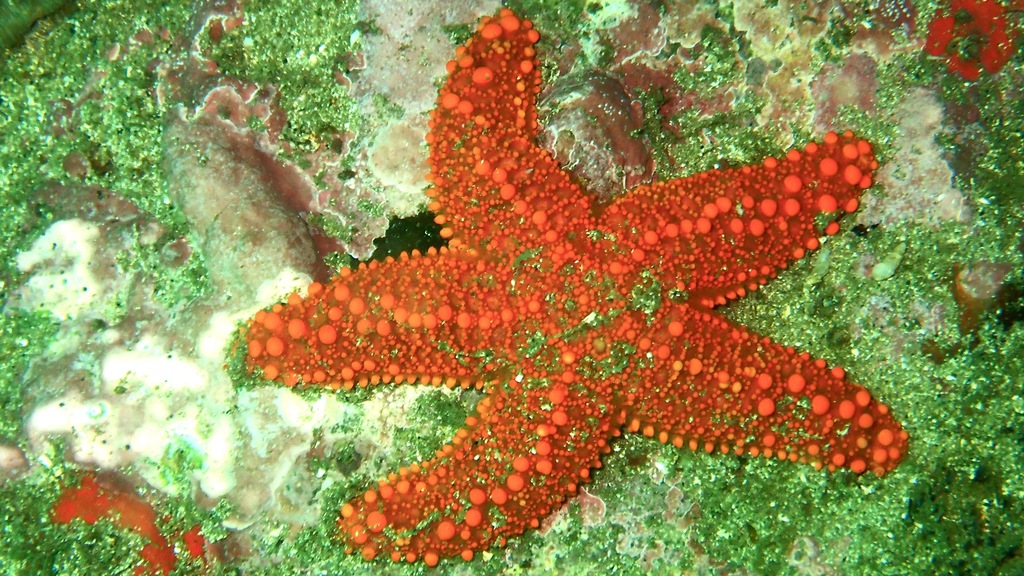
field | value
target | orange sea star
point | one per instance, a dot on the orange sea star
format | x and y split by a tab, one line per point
581	320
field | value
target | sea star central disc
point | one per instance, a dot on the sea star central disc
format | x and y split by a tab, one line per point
580	320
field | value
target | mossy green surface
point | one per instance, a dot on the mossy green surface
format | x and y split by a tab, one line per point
297	46
18	16
952	507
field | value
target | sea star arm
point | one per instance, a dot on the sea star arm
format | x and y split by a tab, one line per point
718	234
494	188
435	318
526	450
717	387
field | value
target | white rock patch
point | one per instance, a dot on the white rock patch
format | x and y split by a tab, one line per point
152	402
61	264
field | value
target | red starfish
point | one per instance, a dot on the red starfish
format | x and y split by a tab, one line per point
580	320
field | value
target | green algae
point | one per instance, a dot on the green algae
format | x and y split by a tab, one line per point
18	16
301	63
23	336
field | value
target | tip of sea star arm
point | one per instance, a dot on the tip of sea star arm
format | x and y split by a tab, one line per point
492	86
874	442
514	463
493	188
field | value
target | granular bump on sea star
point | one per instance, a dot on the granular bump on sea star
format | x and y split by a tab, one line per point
581	320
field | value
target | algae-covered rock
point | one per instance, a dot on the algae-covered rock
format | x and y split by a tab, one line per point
17	18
